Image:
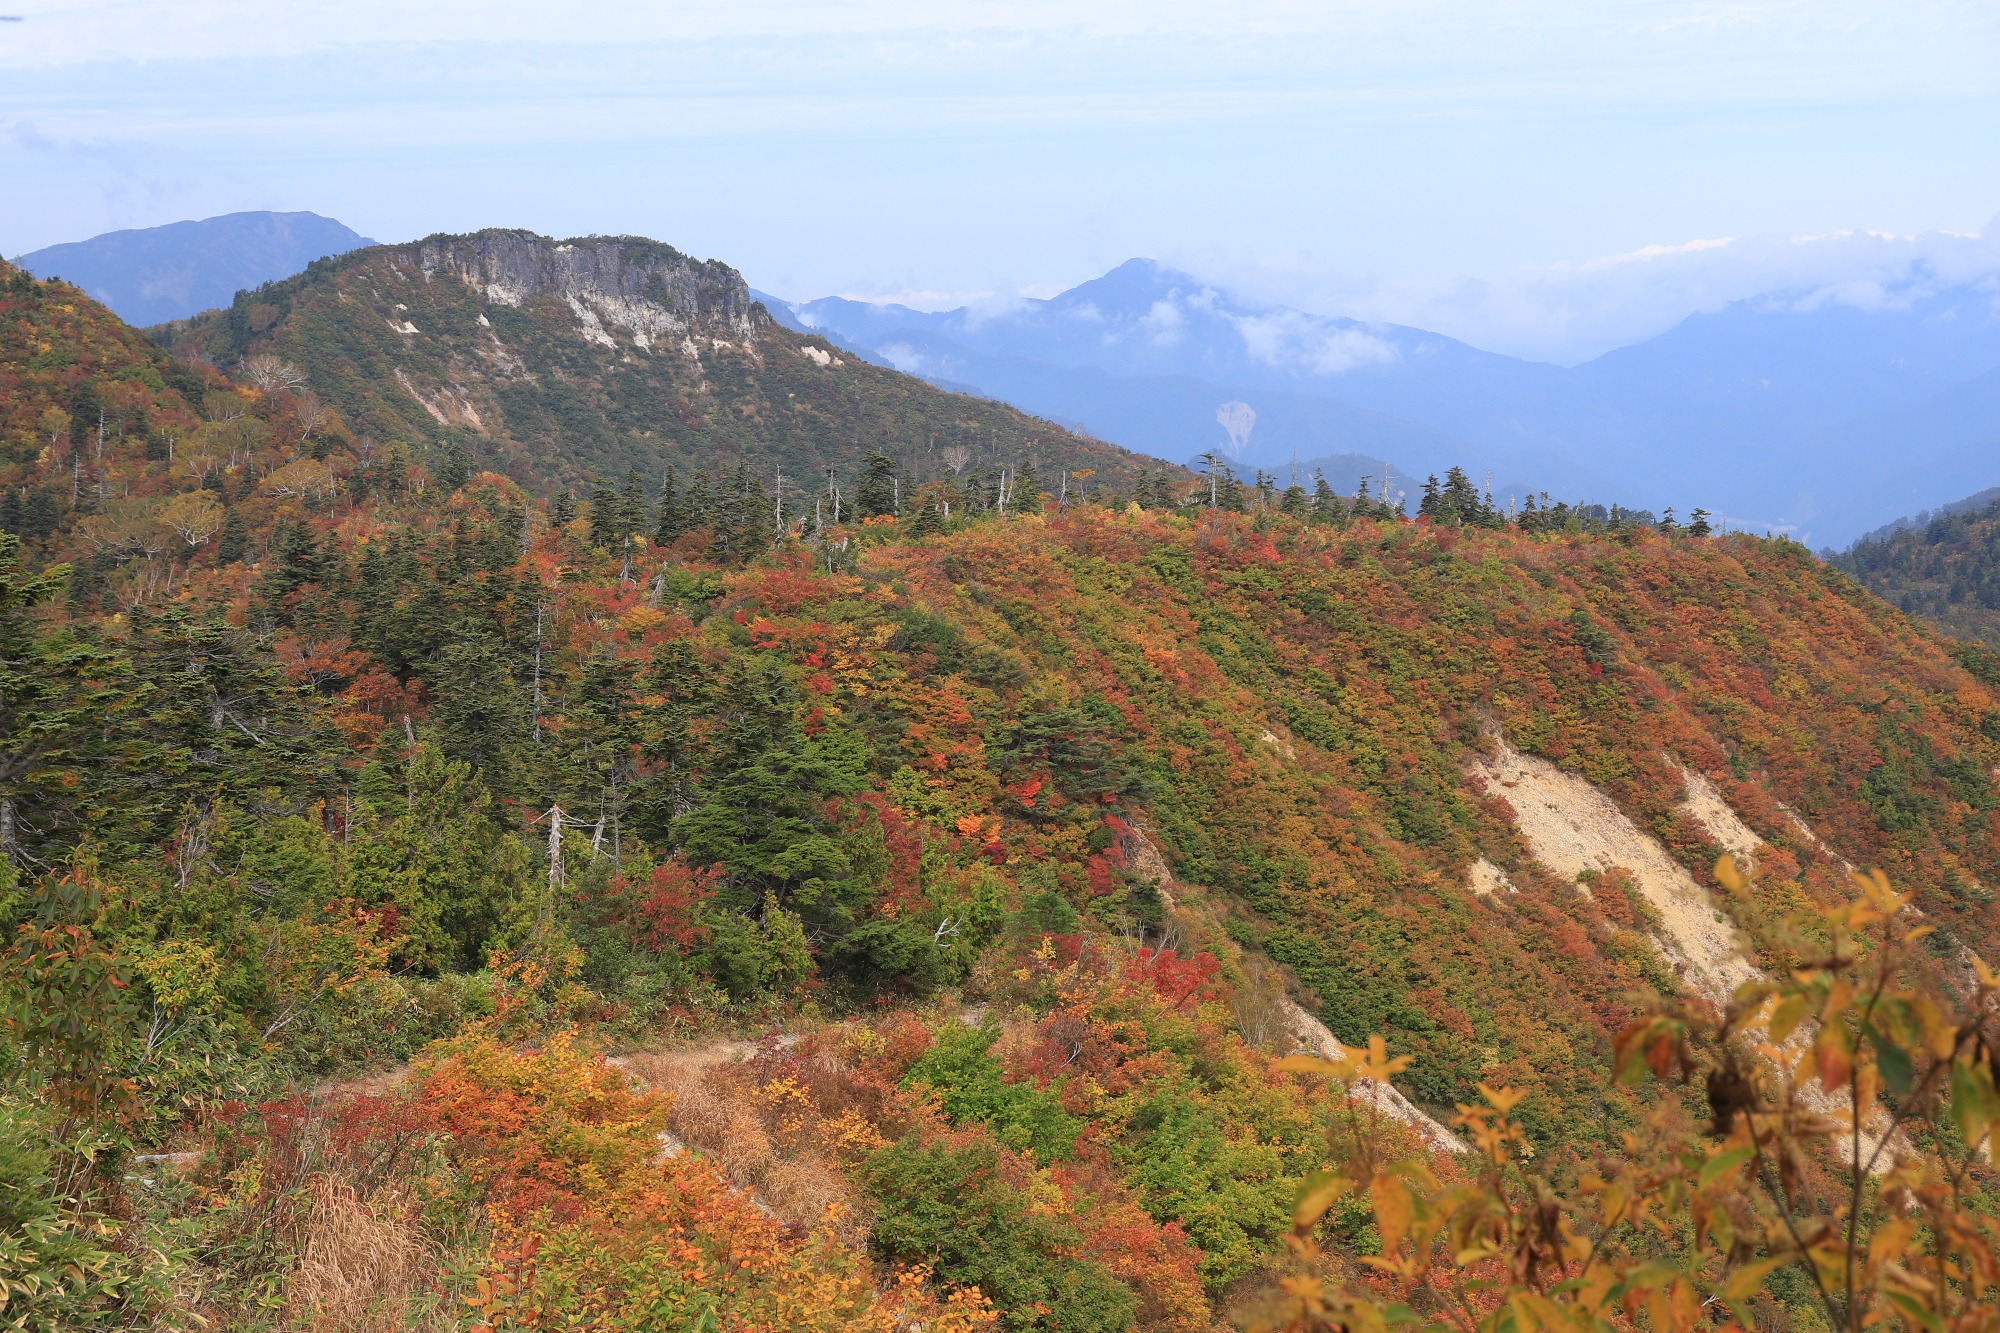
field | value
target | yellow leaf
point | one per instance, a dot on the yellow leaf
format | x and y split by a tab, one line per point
1617	1197
1502	1100
1728	875
1316	1194
1785	1016
1974	1102
1722	1164
1392	1210
1890	1241
1379	1066
1657	1311
1533	1312
1685	1305
1940	1036
1746	1281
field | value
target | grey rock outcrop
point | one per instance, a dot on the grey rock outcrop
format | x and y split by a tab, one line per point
650	290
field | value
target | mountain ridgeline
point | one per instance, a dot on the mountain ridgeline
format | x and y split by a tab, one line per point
576	361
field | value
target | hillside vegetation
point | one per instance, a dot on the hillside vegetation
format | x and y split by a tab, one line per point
1946	571
573	362
954	889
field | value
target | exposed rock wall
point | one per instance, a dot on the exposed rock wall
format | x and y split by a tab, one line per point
650	290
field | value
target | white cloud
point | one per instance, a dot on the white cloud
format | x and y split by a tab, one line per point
1572	311
1290	340
1164	323
903	357
921	299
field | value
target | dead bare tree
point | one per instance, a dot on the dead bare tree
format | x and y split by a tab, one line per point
312	415
267	374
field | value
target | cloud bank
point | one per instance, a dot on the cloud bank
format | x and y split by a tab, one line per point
1572	311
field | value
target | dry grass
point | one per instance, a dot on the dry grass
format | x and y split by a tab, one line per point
767	1146
801	1190
359	1266
708	1112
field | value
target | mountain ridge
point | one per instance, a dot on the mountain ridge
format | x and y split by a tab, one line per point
575	360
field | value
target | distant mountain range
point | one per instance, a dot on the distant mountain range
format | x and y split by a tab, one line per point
1814	414
154	274
1792	412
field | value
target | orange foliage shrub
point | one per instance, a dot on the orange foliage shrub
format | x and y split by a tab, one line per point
593	1227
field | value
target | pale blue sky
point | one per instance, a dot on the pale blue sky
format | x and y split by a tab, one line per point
1472	166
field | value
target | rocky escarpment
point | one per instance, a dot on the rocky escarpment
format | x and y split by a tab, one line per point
570	362
650	290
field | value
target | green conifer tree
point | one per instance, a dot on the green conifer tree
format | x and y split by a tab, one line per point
632	505
1025	489
455	468
1325	504
608	524
1463	506
52	706
1230	493
674	521
234	541
1267	489
877	493
477	706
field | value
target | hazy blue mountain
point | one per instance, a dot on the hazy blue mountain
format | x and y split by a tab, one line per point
1153	359
1803	413
154	274
1971	503
1792	412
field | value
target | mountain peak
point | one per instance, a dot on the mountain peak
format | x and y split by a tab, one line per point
630	282
150	275
569	361
1132	286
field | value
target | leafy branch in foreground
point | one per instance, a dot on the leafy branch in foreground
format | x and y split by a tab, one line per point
1844	1171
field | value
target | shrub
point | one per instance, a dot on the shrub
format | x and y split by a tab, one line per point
949	1204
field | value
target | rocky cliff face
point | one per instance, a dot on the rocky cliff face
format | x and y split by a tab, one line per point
572	361
651	291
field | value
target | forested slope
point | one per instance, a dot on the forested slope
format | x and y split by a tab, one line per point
950	887
573	361
1947	571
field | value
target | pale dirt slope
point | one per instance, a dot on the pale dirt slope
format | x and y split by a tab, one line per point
1725	828
1572	827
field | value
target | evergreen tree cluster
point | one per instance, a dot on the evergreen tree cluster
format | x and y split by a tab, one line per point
1458	504
1947	570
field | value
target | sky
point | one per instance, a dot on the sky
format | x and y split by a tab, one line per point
1547	179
